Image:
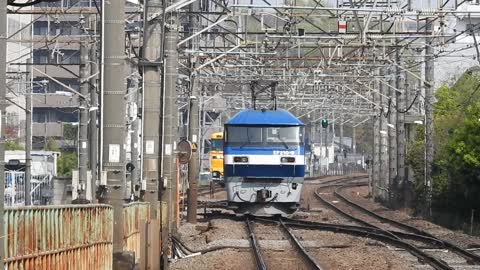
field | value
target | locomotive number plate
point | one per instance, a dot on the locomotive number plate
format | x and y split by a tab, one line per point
283	153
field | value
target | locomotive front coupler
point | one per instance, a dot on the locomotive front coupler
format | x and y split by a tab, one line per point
263	195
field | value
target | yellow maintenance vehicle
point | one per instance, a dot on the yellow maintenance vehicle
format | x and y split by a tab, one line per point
216	157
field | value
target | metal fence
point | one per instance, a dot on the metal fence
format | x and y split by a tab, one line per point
59	237
134	215
41	188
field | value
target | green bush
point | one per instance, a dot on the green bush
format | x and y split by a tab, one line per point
13	145
66	163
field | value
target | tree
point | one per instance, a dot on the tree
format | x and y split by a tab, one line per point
456	167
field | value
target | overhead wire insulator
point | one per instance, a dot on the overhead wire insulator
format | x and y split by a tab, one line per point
393	11
428	11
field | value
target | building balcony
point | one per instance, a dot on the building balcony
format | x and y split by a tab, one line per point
47	129
55	100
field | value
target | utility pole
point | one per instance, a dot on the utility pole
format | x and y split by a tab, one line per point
114	116
342	162
400	129
93	121
3	72
28	136
193	120
152	77
83	125
392	142
429	131
168	119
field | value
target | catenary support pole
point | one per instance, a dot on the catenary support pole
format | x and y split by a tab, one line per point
400	131
342	159
376	150
320	135
392	142
114	116
327	147
312	142
3	60
168	119
384	164
194	121
429	131
152	103
134	145
93	132
193	166
354	140
83	123
28	137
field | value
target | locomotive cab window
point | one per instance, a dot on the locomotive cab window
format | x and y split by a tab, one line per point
256	136
217	144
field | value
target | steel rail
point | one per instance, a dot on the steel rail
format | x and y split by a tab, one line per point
304	252
434	262
363	231
379	235
349	216
255	248
470	256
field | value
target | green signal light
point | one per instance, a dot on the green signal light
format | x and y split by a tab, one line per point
324	123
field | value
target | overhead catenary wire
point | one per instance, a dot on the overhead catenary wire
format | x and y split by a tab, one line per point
30	3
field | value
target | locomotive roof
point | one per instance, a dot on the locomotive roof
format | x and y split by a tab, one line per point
278	117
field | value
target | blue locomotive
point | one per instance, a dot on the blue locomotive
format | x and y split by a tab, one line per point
264	162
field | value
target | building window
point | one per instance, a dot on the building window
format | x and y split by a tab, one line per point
53	87
40	56
40	28
78	3
50	4
71	57
64	28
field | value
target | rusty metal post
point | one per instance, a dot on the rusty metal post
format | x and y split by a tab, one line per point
3	60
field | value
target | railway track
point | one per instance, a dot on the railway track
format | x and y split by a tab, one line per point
284	227
370	225
400	231
362	231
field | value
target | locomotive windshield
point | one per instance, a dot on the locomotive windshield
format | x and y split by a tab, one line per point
256	136
217	144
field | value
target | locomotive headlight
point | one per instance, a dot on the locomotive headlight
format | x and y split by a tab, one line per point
240	159
287	159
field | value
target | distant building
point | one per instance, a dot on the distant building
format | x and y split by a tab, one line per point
461	54
18	51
